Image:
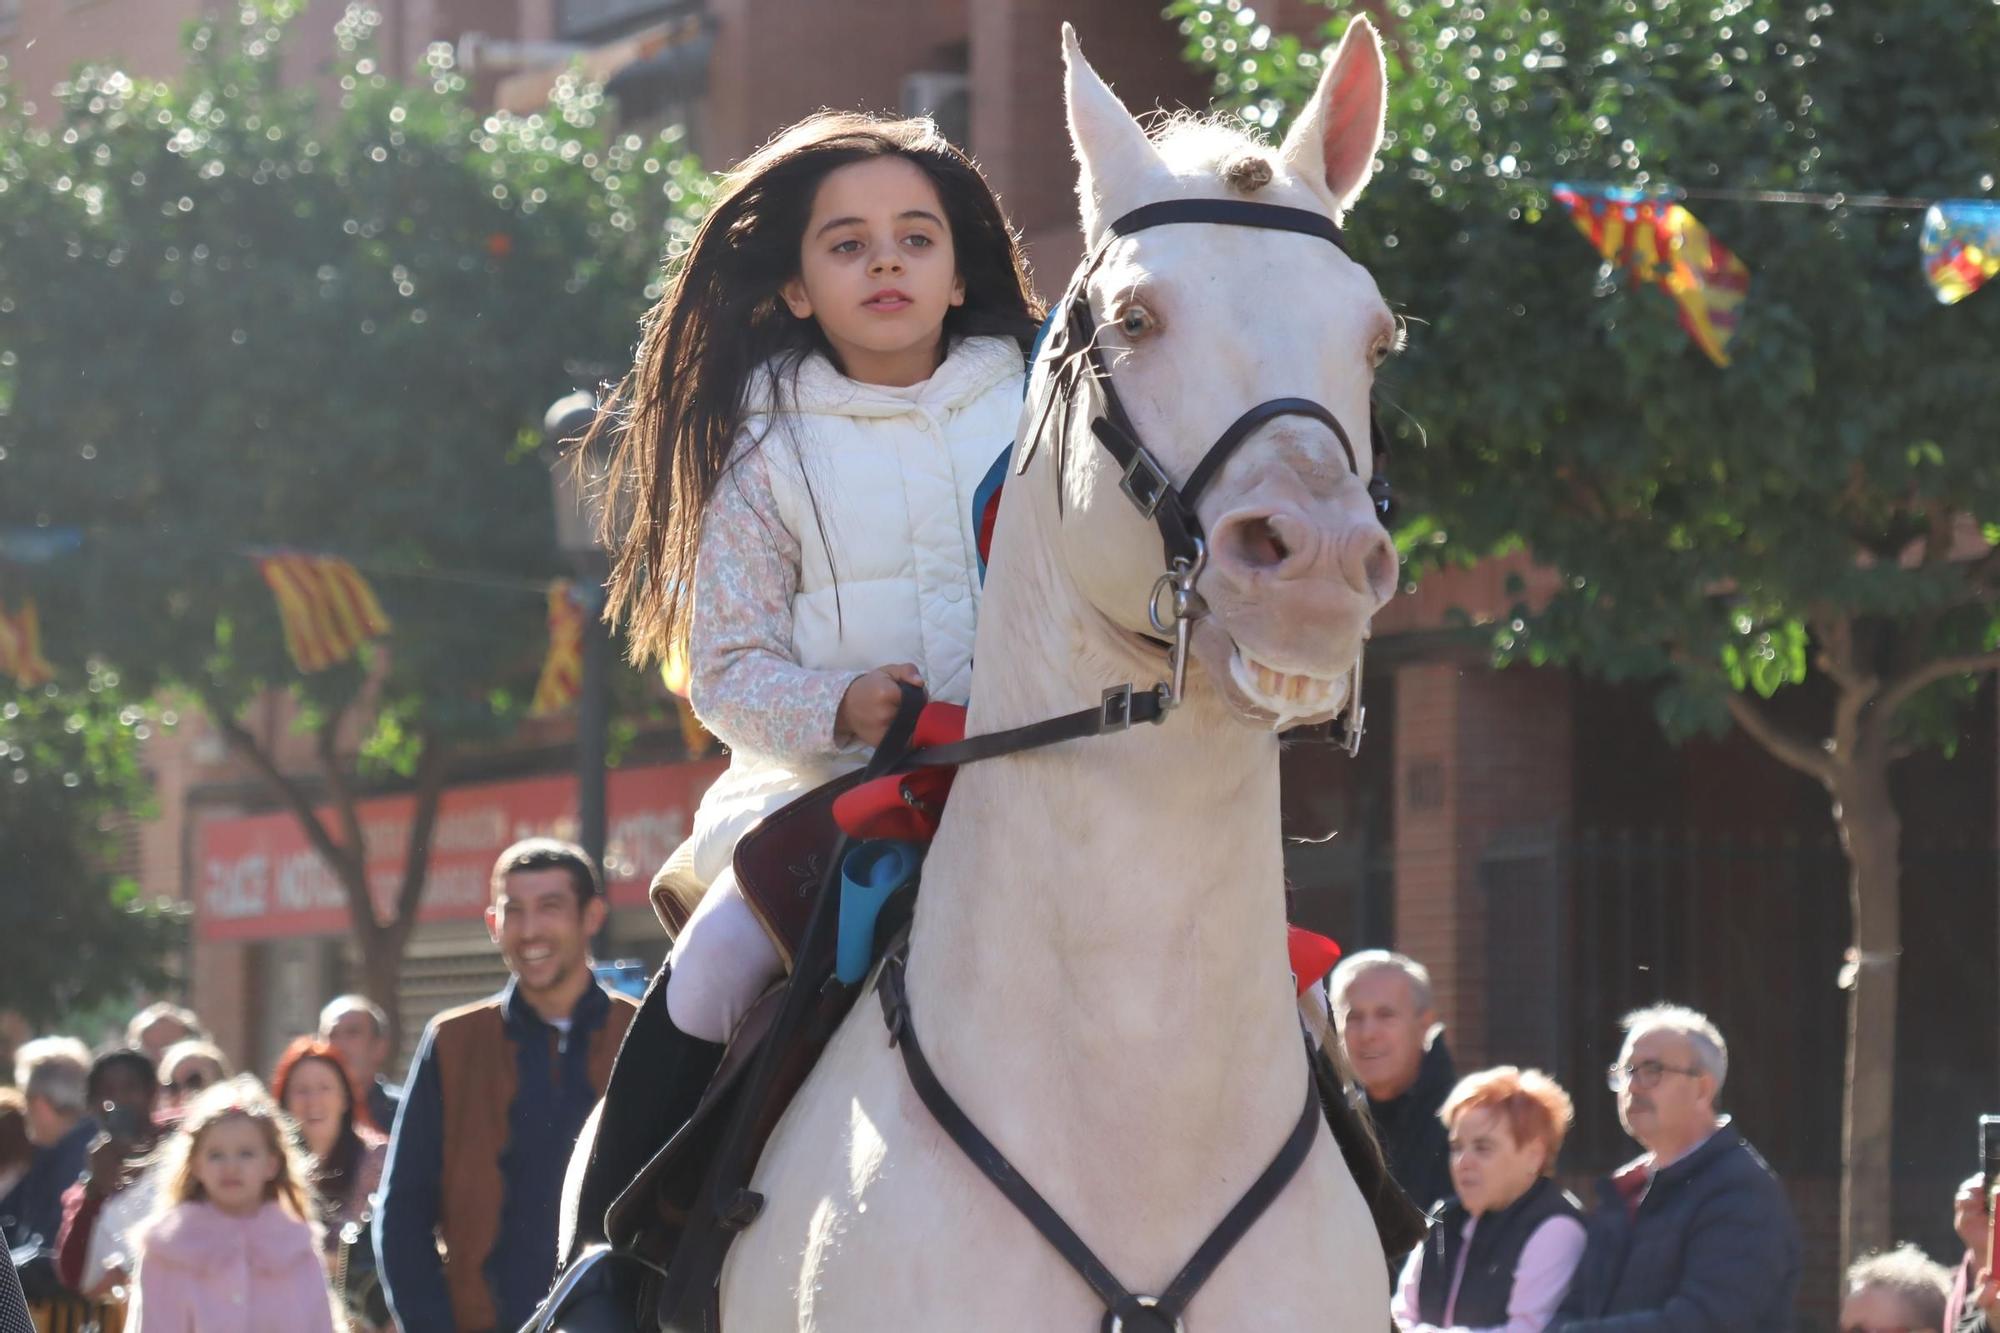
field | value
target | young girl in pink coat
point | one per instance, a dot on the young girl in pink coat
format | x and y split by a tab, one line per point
230	1250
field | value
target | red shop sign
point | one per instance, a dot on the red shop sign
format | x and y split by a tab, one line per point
261	879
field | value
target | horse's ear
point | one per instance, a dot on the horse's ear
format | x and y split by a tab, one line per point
1111	150
1332	144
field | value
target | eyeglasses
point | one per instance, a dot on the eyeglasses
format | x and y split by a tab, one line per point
188	1083
1871	1328
1645	1075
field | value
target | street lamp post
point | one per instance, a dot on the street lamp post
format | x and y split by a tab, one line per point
579	489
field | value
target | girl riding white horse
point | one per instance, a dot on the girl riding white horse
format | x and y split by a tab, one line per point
1097	964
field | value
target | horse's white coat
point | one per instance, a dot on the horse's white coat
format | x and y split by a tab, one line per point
1098	970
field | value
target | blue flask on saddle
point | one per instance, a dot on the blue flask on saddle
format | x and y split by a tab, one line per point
868	876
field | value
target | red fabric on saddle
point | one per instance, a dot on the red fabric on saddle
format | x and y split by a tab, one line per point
986	519
905	807
1313	956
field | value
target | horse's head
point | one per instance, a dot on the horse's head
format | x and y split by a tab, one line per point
1198	323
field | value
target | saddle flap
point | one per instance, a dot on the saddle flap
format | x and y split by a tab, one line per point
782	862
648	1216
665	1187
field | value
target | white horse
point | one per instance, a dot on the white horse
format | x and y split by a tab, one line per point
1098	966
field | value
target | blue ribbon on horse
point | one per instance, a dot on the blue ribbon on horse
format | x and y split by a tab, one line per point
869	876
986	498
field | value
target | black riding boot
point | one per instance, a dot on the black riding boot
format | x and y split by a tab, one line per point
656	1082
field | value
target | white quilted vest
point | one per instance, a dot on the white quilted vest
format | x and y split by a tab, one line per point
895	577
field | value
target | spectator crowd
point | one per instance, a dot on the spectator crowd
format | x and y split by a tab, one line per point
1693	1234
150	1187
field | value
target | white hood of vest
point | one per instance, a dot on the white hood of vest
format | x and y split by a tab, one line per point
972	368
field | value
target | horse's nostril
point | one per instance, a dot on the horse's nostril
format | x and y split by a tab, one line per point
1259	544
1380	568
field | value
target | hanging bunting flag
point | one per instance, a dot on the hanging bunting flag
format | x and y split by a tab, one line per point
328	609
1660	241
674	671
562	669
698	739
1960	246
21	647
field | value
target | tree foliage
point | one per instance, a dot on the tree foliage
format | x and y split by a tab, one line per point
1827	505
72	928
236	319
1708	520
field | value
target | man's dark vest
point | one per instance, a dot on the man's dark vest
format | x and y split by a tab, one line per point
1497	1243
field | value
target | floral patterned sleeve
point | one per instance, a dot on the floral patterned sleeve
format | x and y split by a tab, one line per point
745	682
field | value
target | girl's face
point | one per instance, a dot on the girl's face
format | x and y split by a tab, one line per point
314	1098
1488	1168
878	271
235	1165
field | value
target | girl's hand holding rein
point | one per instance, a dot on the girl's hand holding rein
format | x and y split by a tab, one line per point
870	704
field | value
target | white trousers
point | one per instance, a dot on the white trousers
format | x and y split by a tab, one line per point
722	961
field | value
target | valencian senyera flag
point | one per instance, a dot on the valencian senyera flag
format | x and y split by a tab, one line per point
21	647
328	609
562	669
1660	241
1960	246
676	676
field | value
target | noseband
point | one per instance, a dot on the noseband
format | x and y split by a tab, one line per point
1074	350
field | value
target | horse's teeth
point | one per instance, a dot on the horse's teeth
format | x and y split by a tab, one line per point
1282	686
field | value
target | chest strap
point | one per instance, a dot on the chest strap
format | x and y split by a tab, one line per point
1125	1311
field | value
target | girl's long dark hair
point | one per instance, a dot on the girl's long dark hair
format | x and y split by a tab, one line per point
676	415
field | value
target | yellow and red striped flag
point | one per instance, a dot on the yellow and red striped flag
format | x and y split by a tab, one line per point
562	669
674	674
21	647
328	609
1660	241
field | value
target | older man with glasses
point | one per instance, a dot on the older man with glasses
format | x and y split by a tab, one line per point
1696	1235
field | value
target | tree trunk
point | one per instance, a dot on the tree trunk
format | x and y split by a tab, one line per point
381	975
382	948
381	943
1872	833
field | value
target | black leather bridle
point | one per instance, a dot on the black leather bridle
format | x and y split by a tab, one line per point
1078	360
1073	346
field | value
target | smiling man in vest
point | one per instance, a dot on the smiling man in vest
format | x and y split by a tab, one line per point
493	1106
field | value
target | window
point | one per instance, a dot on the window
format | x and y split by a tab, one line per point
944	96
585	20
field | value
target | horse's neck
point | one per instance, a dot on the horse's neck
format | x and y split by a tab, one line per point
1103	921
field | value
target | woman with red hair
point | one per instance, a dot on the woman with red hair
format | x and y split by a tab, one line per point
313	1086
1500	1255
